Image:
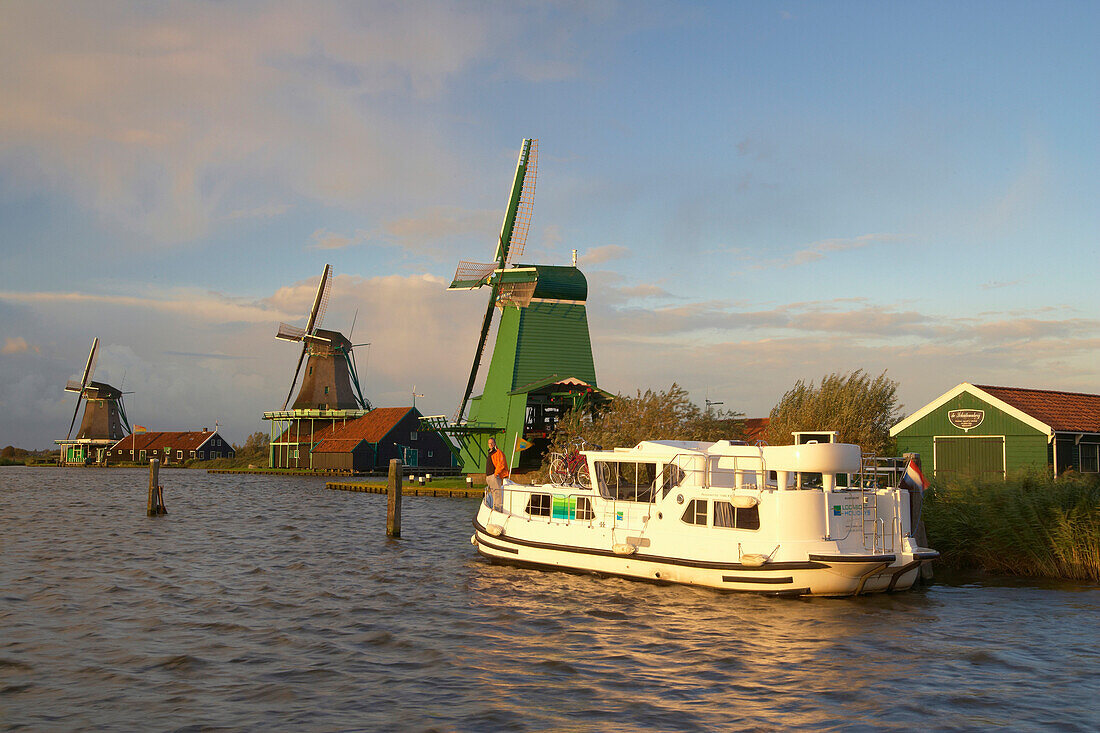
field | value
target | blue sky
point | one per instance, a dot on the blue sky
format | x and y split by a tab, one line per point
760	193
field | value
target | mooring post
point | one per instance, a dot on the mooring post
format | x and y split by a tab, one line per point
393	505
155	505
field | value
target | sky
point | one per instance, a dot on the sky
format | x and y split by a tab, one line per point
759	193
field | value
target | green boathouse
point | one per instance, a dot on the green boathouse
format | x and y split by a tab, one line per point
989	431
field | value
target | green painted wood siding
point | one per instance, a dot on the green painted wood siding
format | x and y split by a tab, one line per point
553	339
1025	447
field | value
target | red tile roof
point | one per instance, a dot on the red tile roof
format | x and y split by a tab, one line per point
1063	411
150	441
756	428
337	445
372	427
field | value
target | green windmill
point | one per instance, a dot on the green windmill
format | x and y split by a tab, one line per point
542	364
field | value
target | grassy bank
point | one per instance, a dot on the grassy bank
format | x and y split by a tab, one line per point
1028	525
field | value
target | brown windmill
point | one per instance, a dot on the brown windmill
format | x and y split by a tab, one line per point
331	381
330	391
104	421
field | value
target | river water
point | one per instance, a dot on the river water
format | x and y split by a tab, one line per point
271	602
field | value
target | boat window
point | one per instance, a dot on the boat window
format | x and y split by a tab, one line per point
584	508
626	480
727	515
539	505
696	512
671	477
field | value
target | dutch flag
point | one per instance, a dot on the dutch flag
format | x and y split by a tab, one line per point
913	477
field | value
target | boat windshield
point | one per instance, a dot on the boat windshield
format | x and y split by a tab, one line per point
627	480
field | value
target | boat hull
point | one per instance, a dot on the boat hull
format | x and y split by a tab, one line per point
823	575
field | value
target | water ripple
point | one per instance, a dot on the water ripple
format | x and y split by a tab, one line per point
265	602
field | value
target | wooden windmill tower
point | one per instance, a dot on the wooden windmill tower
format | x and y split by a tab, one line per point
104	417
330	389
542	361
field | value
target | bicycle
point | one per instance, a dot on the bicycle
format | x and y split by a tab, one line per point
571	469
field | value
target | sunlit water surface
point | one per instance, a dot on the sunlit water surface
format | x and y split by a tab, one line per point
272	602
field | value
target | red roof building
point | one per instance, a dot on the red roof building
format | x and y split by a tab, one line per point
363	444
993	431
170	447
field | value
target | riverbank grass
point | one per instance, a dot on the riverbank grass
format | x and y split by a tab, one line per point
1027	525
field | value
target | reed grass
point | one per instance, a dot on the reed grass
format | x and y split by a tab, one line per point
1027	525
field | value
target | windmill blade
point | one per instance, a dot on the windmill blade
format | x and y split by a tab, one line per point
73	385
89	368
288	332
75	412
296	370
521	203
472	275
353	319
485	324
320	301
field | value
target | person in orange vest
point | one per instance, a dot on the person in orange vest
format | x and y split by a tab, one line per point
496	470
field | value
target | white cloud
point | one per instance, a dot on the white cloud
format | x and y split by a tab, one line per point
604	253
818	250
324	239
165	119
18	345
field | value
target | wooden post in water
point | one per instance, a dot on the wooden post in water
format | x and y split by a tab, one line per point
155	505
393	504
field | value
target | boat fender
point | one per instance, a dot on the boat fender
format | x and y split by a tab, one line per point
473	539
744	502
620	549
753	560
494	529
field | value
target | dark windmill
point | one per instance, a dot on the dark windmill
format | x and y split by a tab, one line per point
104	422
330	390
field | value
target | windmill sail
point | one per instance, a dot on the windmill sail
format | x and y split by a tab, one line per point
287	332
513	238
79	387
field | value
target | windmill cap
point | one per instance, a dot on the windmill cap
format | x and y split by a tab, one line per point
557	282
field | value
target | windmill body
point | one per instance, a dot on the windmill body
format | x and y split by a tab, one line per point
327	381
330	392
541	364
103	415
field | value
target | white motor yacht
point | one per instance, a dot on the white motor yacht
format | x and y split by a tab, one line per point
807	519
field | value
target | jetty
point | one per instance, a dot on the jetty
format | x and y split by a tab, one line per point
380	487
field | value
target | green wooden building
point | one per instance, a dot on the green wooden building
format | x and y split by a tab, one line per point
991	431
541	365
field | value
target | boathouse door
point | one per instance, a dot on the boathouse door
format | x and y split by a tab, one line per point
979	456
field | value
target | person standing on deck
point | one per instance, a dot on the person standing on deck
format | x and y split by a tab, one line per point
496	470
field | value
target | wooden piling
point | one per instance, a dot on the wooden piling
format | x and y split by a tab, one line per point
155	504
393	504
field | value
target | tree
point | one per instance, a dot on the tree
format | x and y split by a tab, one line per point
626	421
254	444
859	408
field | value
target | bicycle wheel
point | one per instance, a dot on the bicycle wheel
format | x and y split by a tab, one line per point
559	471
584	478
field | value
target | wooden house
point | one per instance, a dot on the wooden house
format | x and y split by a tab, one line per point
992	431
171	447
369	442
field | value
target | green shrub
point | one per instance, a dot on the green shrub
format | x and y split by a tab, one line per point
1027	525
